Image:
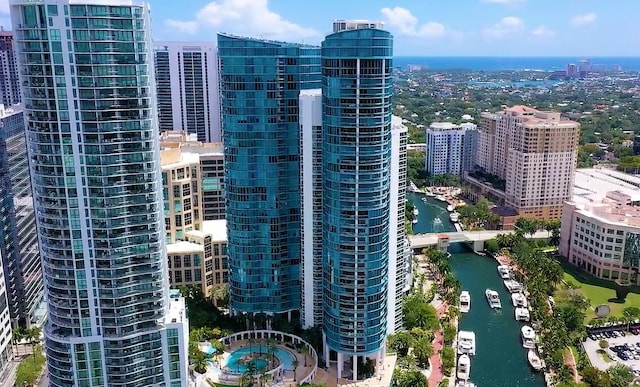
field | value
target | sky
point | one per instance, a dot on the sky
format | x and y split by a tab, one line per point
420	27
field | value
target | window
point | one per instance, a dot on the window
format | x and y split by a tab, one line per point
187	260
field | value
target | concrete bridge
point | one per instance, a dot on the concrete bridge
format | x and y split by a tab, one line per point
478	238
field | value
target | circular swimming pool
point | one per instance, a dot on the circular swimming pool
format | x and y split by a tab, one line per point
241	359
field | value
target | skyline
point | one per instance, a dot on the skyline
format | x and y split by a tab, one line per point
571	28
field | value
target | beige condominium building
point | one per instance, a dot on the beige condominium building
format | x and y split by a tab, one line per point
196	232
601	225
534	152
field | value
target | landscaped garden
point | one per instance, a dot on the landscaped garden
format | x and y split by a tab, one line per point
597	293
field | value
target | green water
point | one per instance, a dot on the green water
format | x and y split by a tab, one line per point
500	360
428	212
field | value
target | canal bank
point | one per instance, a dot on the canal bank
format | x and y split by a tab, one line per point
500	359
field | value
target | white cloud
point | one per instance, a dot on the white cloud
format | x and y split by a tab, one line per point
245	17
505	27
509	2
402	20
583	20
543	31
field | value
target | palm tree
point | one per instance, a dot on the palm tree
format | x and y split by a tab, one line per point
200	361
18	335
422	351
305	351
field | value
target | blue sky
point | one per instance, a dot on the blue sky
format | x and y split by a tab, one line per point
422	27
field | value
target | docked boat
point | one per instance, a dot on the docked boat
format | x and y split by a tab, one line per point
464	367
534	360
465	301
414	221
528	337
466	343
415	211
503	270
465	383
450	208
454	217
522	314
513	286
519	300
493	298
430	194
441	198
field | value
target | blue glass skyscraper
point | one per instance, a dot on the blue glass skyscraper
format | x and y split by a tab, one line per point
260	82
356	103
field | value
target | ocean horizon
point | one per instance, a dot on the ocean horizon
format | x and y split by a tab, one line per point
494	63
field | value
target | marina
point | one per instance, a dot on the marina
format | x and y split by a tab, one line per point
500	359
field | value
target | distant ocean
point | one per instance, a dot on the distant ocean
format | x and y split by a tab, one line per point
511	63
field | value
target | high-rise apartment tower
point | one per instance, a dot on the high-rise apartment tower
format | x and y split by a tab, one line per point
187	88
9	82
19	242
87	75
260	82
356	105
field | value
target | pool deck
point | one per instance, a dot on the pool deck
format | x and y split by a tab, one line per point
215	375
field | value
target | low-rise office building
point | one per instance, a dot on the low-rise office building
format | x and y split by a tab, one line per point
601	229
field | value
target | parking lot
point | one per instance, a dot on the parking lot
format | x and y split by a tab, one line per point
624	348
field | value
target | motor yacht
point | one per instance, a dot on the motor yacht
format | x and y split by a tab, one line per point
528	337
414	221
415	211
454	217
534	360
466	343
464	367
519	300
493	298
503	270
450	208
513	286
522	314
465	301
441	198
424	200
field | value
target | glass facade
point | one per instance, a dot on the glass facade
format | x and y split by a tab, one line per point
18	239
92	140
357	89
260	82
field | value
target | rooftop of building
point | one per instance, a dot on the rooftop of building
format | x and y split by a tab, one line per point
591	185
180	148
532	117
311	92
6	111
615	208
217	229
177	309
451	126
182	247
277	43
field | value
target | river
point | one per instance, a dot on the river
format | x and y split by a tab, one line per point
500	360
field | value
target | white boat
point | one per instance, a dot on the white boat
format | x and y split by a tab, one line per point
522	314
454	217
465	301
465	383
503	270
437	222
534	360
528	337
513	286
493	298
450	208
414	221
519	299
464	367
466	343
441	198
430	194
424	200
415	211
